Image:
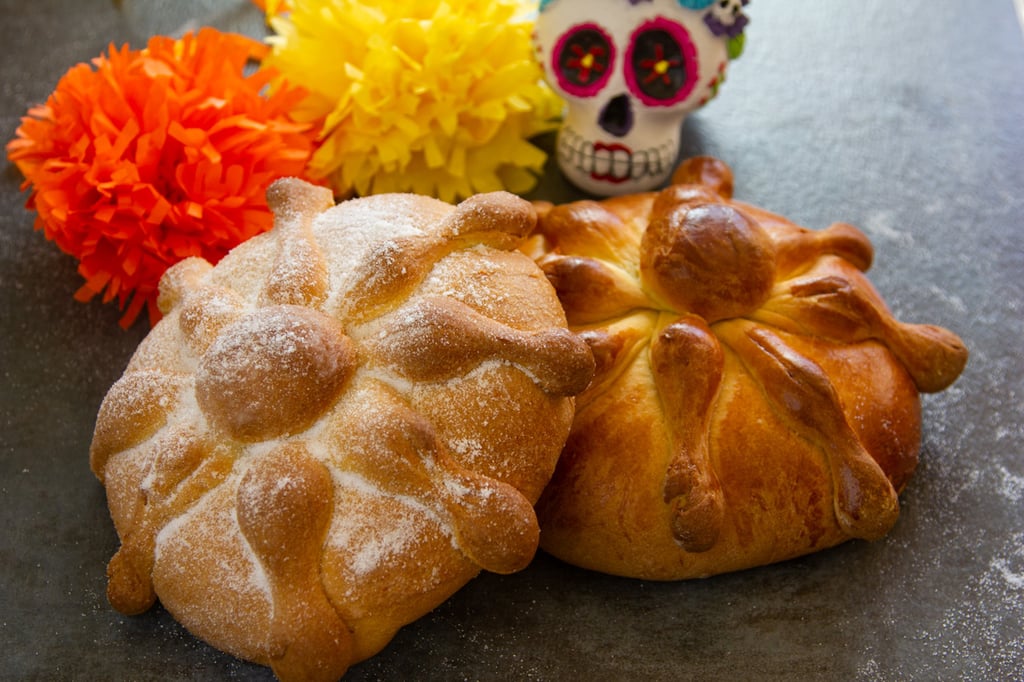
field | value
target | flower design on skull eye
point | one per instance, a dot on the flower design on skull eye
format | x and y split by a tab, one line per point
587	61
658	66
662	63
583	58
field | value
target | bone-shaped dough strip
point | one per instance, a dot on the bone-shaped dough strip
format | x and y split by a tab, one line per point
438	338
801	394
139	400
592	290
687	364
182	469
797	246
587	228
395	267
397	450
832	307
285	502
300	274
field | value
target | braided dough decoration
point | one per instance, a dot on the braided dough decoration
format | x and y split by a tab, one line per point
338	426
754	399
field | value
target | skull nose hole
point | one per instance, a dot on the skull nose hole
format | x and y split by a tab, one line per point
616	117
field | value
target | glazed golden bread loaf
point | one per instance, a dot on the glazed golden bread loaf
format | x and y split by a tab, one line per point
338	426
754	398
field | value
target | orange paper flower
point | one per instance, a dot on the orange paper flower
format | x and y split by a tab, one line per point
272	7
155	155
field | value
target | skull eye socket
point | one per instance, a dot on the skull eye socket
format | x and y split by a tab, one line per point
661	63
582	60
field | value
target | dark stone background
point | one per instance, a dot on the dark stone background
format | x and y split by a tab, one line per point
902	118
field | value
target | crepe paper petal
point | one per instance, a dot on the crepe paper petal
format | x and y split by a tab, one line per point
437	97
272	7
145	157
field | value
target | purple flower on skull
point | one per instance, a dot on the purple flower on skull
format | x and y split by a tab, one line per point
726	17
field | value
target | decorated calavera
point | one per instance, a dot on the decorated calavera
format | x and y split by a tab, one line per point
630	71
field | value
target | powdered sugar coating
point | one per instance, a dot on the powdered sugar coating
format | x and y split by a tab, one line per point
291	489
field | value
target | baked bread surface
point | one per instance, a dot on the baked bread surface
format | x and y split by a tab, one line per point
754	400
338	426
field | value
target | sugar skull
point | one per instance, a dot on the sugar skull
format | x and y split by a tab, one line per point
630	71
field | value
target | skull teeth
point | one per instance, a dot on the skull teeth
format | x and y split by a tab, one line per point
613	162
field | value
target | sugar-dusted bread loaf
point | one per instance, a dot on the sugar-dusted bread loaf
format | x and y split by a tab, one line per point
754	398
338	426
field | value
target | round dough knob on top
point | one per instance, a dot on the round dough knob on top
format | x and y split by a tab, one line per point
338	425
754	398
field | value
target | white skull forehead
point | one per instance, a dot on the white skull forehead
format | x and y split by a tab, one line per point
630	71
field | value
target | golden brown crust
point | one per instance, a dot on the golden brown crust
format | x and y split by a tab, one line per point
683	253
754	398
325	435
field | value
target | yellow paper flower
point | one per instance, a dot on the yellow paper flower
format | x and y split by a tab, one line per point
434	97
